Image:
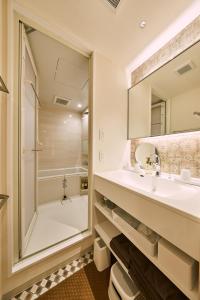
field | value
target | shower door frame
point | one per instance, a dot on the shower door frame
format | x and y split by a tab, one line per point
23	235
17	15
88	231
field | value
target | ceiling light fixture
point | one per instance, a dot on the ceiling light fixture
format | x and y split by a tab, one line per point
70	116
142	24
79	105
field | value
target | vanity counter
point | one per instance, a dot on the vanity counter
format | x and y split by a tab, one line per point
172	210
180	197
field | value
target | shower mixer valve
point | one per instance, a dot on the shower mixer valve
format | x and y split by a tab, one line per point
64	184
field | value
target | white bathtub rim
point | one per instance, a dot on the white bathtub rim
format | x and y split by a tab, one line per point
53	169
60	176
83	173
42	255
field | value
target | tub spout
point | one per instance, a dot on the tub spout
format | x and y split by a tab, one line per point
65	197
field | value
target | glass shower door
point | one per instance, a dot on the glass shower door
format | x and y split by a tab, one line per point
28	111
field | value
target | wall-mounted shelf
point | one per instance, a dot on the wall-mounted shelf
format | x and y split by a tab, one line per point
106	231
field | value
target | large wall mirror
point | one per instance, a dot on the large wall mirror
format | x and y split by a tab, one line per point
168	100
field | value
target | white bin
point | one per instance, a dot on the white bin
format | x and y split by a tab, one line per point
101	255
178	264
129	225
121	287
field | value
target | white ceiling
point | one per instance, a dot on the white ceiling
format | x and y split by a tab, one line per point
62	72
116	35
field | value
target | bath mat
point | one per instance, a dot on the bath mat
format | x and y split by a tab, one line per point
86	284
46	284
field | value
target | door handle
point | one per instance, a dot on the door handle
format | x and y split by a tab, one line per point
4	197
37	150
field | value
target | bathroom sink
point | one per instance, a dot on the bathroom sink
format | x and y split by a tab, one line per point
184	197
156	185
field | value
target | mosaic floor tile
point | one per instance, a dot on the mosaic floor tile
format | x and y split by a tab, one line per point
55	278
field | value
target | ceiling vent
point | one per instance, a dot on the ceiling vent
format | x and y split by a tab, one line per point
188	66
61	101
114	3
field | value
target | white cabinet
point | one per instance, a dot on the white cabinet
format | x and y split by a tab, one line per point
177	229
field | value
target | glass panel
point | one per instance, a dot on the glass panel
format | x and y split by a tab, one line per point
57	131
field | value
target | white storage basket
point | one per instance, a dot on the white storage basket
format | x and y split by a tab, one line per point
121	287
101	255
128	225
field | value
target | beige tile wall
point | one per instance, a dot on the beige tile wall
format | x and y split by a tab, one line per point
60	137
176	152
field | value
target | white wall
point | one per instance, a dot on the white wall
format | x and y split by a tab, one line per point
182	108
140	111
109	114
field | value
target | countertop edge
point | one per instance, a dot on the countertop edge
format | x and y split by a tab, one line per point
156	201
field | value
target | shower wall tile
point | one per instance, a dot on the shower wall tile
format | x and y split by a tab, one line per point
176	152
59	138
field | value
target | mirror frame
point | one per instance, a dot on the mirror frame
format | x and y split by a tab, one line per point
149	74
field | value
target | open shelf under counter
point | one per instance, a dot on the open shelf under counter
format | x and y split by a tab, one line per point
107	233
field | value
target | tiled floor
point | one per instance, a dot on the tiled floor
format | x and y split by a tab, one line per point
52	280
86	284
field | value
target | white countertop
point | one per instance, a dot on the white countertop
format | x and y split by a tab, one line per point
183	198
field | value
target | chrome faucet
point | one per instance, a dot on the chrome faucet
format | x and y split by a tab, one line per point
155	162
65	197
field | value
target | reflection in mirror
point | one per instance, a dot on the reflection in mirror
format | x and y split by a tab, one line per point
145	155
167	101
158	115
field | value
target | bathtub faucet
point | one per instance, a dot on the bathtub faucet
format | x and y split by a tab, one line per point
65	197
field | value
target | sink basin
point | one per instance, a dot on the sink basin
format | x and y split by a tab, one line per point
181	196
156	185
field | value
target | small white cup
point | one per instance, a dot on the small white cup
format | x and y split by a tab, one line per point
185	174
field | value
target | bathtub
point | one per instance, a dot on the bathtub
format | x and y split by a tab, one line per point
58	221
50	183
45	174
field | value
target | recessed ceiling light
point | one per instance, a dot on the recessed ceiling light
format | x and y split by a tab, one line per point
142	24
79	105
70	116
